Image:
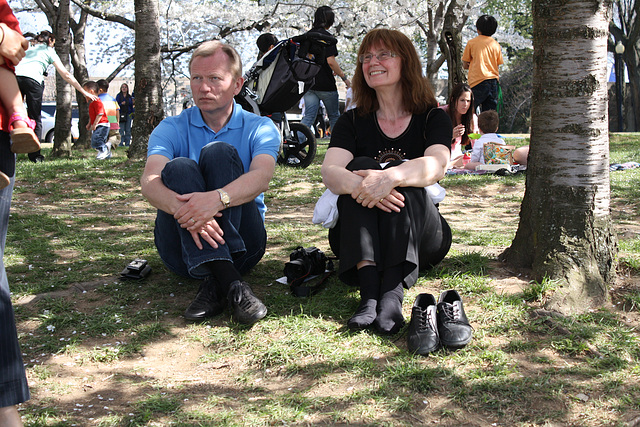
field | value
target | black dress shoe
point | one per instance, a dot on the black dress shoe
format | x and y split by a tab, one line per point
423	336
453	326
246	308
206	303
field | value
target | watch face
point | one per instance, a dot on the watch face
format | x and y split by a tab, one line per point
224	197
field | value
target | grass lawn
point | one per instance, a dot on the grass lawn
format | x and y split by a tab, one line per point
101	351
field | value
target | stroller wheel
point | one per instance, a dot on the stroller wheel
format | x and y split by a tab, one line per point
299	147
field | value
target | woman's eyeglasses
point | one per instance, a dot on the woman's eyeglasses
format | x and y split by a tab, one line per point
382	56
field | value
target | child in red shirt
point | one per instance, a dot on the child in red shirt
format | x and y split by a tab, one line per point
98	122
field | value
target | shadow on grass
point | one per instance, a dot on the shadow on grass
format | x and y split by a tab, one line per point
300	364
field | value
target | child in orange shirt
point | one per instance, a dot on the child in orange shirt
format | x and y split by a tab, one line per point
482	57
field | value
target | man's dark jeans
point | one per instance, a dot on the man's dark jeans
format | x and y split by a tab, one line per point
244	233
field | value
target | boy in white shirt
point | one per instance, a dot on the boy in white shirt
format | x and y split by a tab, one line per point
488	122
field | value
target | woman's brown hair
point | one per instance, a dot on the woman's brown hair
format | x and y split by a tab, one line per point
466	118
417	94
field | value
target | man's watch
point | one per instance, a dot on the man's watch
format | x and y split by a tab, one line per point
224	197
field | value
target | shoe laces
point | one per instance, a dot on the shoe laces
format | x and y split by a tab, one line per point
452	312
424	319
241	297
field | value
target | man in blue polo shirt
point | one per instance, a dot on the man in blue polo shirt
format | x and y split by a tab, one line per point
206	173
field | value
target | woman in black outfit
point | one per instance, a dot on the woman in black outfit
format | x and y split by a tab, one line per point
381	157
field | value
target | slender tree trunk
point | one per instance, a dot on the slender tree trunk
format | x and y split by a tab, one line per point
432	32
632	102
62	132
451	41
444	16
565	230
78	59
148	82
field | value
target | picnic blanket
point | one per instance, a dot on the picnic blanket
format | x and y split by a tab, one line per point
623	166
464	172
612	167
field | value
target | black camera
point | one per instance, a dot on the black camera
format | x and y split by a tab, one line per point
305	262
137	269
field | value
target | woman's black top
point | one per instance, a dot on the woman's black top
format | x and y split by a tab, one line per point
362	136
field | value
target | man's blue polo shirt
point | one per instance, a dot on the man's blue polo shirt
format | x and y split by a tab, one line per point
186	134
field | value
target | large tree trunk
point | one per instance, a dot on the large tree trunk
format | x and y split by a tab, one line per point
565	230
148	83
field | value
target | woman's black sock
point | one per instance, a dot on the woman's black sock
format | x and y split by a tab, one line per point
390	318
369	291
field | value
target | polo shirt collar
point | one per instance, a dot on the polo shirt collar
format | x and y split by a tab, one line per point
233	123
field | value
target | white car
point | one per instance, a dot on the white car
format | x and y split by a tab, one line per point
49	121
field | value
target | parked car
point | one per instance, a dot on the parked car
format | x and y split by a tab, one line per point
49	121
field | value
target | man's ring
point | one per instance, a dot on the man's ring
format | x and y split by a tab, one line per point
192	221
360	197
381	200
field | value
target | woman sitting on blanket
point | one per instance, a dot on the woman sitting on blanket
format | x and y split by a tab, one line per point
381	156
464	120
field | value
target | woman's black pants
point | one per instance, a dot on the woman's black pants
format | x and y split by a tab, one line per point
417	237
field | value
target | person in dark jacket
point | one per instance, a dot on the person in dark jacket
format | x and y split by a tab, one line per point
324	88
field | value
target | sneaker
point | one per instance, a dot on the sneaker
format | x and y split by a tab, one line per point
423	336
207	303
104	154
246	308
453	326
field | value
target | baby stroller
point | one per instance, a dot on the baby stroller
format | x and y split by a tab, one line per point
277	82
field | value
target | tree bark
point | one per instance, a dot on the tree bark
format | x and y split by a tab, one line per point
62	132
451	43
565	230
625	28
148	81
632	60
82	75
59	17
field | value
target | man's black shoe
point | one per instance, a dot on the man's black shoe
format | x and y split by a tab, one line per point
453	326
206	303
423	336
246	308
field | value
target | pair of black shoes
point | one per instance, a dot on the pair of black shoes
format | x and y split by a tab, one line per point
433	325
245	307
